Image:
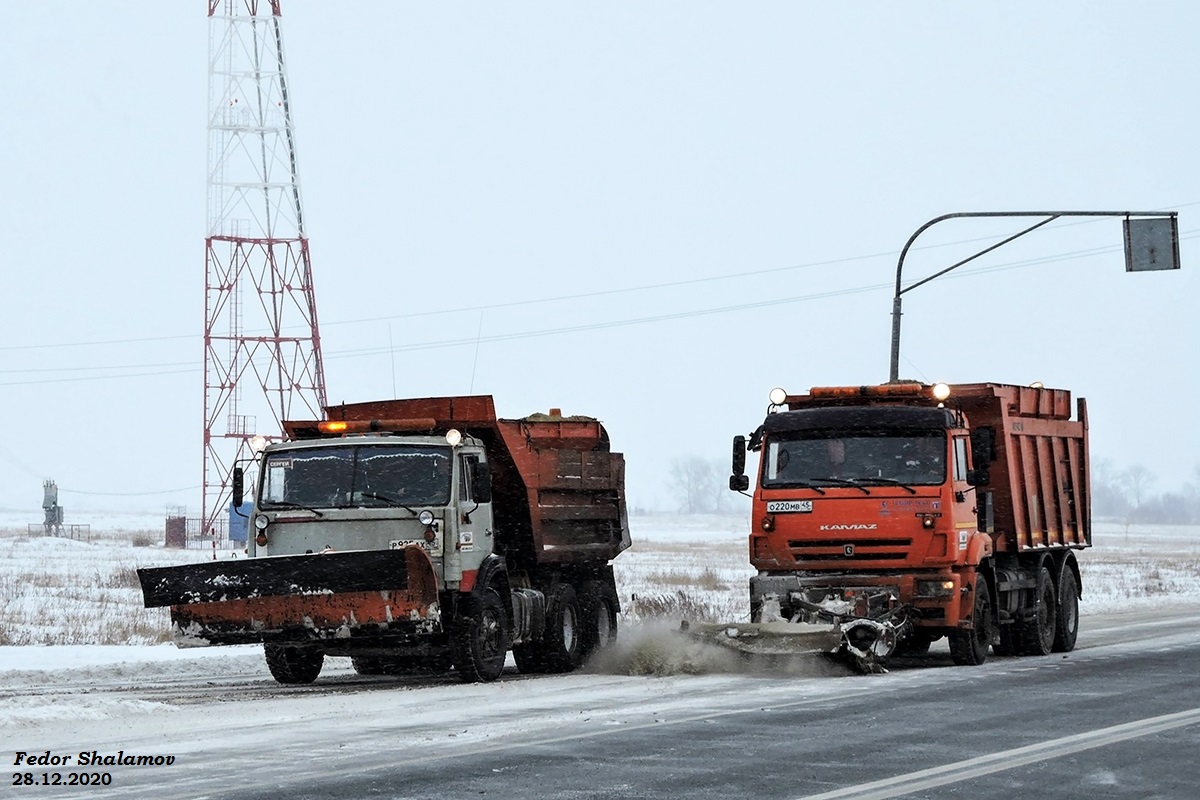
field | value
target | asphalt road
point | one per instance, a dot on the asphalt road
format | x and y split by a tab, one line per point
1108	720
1117	718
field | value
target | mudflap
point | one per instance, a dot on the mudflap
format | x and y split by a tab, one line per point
331	597
768	638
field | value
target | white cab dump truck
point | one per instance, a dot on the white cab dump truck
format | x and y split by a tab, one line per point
417	535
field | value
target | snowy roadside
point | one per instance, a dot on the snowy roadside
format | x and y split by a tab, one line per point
58	589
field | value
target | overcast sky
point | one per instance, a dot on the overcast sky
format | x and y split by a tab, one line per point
705	200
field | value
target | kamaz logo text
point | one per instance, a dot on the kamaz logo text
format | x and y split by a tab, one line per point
858	527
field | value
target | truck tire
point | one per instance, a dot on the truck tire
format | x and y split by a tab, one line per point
529	658
1035	636
915	644
400	665
561	640
970	648
368	665
598	607
291	664
481	638
1066	620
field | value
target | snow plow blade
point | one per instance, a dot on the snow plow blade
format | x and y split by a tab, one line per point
768	638
380	594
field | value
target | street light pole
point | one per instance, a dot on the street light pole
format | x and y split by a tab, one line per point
1151	243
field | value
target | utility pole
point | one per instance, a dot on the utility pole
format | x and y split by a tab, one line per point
1151	243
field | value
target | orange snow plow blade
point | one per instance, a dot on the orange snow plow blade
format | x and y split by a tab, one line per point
299	599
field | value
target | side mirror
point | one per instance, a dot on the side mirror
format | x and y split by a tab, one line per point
978	477
738	481
983	446
239	487
985	512
481	482
739	455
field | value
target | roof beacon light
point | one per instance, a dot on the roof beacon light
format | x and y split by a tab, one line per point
258	442
940	391
453	437
777	396
332	426
1037	385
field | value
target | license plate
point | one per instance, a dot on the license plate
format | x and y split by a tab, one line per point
789	507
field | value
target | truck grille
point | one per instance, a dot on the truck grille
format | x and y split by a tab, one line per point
804	550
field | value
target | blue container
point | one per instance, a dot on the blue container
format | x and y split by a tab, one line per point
239	522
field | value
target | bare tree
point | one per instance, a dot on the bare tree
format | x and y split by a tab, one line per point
1191	492
1108	495
723	498
1137	480
695	479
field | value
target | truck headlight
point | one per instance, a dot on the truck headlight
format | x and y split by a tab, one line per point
261	522
425	517
935	588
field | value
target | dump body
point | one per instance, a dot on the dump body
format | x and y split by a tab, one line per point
1040	478
558	489
884	511
418	533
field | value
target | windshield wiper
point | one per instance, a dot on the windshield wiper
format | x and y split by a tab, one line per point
287	504
890	482
803	485
389	500
844	482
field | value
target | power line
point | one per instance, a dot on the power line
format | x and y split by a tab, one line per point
128	494
102	377
590	294
657	318
85	369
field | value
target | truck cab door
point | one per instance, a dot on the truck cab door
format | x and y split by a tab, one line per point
475	510
972	476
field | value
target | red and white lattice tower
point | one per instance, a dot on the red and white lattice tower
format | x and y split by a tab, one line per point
260	312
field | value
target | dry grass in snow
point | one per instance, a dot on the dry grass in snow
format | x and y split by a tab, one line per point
61	591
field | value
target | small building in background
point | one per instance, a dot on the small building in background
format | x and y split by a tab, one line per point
176	532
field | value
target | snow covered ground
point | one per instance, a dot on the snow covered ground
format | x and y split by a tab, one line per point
83	666
58	591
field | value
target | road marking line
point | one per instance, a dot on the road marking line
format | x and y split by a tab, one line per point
1008	759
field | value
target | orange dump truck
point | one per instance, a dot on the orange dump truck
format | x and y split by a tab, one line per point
417	535
903	513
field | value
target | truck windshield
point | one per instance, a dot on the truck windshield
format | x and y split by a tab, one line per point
360	476
914	458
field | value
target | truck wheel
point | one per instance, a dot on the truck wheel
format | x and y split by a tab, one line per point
561	640
598	603
529	658
1066	621
289	664
915	644
367	665
970	648
1035	637
481	638
400	665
